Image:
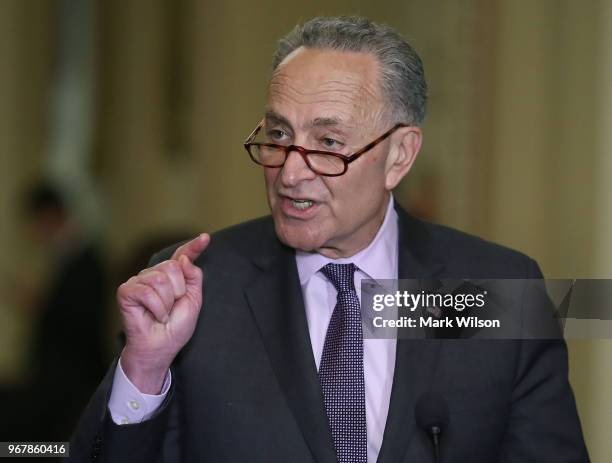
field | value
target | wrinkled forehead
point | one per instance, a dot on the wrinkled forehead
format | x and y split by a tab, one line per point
312	84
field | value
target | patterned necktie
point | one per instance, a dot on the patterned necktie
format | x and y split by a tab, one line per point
341	369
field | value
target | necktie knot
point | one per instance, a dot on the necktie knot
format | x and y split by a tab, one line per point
342	276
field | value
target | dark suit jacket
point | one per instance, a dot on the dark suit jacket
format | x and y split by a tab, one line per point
245	387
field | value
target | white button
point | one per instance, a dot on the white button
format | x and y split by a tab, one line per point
125	421
134	405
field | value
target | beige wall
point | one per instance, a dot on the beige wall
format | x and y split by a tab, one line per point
548	153
516	144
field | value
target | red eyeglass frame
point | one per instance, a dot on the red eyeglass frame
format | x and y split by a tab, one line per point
346	159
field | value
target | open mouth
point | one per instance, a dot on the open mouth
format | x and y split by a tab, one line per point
302	204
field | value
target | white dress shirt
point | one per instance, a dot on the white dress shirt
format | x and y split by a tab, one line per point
377	261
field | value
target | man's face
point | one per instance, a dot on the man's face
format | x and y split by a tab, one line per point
327	100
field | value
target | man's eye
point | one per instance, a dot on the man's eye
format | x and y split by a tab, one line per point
276	134
331	144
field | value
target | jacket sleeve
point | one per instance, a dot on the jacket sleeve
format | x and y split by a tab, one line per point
544	423
98	439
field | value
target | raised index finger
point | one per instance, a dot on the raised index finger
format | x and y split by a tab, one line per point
193	248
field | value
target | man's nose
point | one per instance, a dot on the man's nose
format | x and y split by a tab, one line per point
295	170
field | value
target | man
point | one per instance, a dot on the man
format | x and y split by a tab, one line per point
44	408
247	345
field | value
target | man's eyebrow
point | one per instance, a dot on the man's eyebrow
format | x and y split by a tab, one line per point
326	121
274	117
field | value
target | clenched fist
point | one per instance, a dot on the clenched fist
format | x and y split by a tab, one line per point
159	309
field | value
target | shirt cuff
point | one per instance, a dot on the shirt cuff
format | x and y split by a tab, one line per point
128	405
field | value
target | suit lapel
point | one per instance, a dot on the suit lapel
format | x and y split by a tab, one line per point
276	300
416	359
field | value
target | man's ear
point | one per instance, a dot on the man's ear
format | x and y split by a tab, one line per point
405	145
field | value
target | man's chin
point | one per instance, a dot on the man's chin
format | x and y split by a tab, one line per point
298	241
299	245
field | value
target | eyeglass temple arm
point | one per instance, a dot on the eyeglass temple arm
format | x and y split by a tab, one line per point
254	132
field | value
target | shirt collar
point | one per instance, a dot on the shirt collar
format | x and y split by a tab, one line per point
378	260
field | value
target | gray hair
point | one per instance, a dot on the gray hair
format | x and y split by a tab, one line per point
402	75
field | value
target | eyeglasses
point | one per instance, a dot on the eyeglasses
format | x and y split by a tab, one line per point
326	163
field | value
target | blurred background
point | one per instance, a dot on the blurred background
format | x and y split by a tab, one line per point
121	130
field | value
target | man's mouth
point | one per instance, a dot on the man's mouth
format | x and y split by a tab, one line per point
298	208
302	204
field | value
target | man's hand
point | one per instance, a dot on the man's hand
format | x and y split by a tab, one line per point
159	308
